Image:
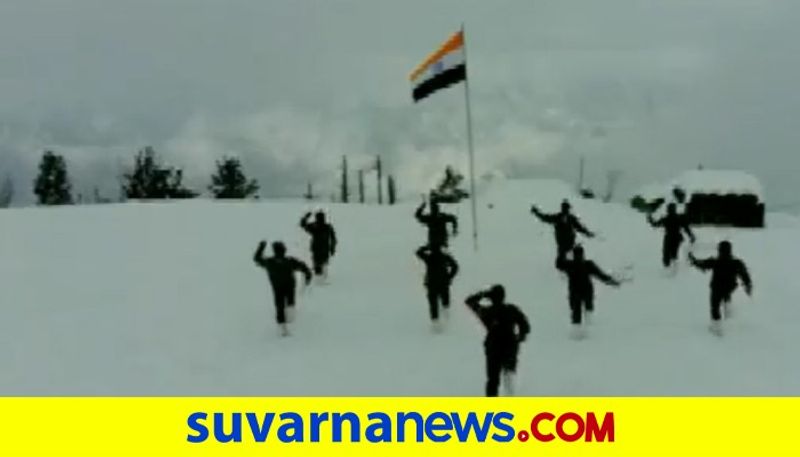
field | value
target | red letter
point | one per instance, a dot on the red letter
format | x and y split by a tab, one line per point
600	433
535	427
560	427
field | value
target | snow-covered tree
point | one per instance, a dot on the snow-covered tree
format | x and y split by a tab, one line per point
229	181
52	186
152	180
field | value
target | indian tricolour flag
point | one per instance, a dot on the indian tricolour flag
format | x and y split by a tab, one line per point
443	68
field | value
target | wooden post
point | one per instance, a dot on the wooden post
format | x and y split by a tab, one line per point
345	186
379	167
392	190
361	186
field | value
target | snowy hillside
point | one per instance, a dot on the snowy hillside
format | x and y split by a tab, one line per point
164	299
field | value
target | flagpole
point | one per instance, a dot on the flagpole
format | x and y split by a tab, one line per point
470	146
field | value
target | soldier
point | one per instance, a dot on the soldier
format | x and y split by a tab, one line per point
565	225
440	269
437	223
323	241
580	271
280	270
506	327
726	271
676	197
674	224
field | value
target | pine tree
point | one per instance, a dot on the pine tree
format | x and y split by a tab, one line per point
151	180
52	186
230	181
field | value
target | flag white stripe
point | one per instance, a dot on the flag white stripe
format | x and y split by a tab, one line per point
448	61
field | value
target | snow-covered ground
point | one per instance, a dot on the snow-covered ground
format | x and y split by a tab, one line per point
164	299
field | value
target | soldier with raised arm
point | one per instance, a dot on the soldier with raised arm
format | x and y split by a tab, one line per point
437	223
726	272
281	271
506	327
565	227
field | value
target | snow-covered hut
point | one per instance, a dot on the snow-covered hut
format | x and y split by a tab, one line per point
713	197
722	197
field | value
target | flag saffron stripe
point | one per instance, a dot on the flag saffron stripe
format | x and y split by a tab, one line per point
453	43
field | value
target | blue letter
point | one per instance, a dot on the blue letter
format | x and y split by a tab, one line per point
463	432
431	428
316	421
296	426
194	424
499	424
219	428
384	425
260	432
355	427
402	418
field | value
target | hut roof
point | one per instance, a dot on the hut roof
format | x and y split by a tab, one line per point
719	182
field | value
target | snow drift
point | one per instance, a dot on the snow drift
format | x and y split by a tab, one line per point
164	299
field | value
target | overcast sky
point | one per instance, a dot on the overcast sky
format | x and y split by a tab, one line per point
647	87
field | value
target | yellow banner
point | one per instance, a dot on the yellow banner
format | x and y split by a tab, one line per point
399	427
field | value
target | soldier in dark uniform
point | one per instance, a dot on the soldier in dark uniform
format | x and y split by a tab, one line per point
323	241
674	224
281	270
506	327
580	272
440	269
726	272
565	225
436	222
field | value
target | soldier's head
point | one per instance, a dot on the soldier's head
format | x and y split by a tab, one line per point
724	249
565	207
434	207
497	294
671	208
679	194
279	249
577	253
319	217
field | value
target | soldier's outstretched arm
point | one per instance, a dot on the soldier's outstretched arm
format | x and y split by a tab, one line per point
562	264
602	275
523	325
453	266
581	228
454	223
688	230
473	302
546	218
333	240
258	256
418	213
301	266
701	264
654	222
744	275
304	221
